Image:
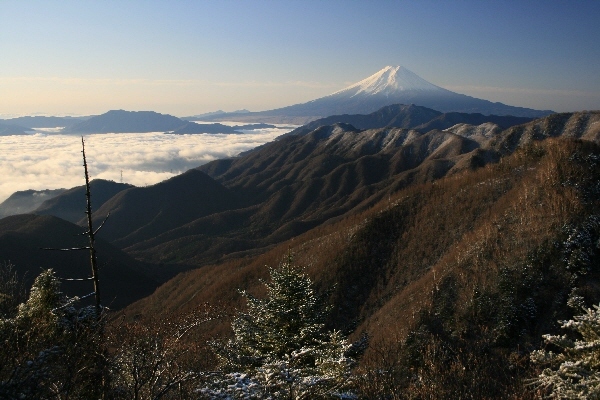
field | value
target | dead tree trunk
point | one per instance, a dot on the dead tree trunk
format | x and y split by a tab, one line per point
91	234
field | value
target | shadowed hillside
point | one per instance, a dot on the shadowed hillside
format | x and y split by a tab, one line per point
142	213
68	205
123	280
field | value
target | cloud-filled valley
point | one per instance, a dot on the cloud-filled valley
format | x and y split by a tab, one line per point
47	160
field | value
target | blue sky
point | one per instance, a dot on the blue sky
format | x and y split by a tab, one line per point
189	57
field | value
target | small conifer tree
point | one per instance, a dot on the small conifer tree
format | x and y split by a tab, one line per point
576	372
50	349
280	348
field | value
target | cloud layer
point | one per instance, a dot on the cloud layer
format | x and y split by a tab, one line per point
50	161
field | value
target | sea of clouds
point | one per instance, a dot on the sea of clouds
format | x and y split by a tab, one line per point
50	160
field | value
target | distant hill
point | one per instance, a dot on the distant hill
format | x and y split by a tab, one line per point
120	121
44	122
70	204
391	85
25	201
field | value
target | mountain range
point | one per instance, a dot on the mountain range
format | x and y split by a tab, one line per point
411	116
390	85
300	181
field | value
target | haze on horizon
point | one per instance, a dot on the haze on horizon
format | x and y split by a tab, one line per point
191	57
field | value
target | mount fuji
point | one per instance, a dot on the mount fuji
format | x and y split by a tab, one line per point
391	85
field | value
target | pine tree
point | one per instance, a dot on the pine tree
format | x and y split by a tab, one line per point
576	372
51	349
280	349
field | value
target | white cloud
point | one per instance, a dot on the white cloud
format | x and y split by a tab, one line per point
51	161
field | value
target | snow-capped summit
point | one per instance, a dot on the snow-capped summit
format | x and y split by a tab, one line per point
388	81
390	85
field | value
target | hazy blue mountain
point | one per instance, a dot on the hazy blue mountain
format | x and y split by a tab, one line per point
193	127
120	121
9	130
25	201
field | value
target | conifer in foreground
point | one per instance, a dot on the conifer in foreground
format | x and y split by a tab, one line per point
280	349
577	367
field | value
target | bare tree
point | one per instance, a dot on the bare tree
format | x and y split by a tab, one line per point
91	234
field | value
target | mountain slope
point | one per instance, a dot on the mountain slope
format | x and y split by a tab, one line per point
298	182
583	125
476	267
142	213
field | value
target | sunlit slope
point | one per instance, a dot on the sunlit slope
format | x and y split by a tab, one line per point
435	246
